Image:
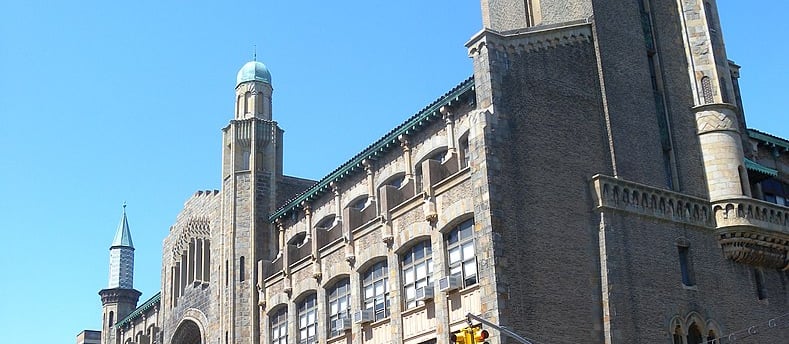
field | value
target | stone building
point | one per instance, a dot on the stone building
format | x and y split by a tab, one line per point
594	181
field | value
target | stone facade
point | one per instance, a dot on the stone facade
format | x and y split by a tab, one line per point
593	182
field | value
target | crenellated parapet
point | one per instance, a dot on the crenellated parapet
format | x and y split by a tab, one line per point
749	231
621	195
531	39
753	232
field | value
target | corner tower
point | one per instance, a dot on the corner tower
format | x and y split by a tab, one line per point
120	298
716	116
251	167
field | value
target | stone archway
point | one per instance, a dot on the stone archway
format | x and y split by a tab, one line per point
188	332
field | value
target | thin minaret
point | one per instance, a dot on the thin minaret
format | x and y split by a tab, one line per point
120	298
122	256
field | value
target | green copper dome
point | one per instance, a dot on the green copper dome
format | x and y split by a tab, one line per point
253	71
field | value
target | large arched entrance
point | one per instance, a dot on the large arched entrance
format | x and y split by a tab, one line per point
187	333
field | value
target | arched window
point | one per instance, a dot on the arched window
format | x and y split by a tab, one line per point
339	296
462	252
694	335
112	319
279	326
706	90
712	338
326	223
308	320
396	180
677	335
417	265
359	203
247	102
375	284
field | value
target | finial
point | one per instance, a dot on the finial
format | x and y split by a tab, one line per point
124	205
254	52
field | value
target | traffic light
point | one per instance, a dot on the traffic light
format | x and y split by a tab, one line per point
470	335
479	334
462	336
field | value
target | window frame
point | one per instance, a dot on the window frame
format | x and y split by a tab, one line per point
465	244
418	255
307	307
279	320
374	280
335	295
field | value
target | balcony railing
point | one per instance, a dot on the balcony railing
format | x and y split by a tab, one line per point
753	232
613	193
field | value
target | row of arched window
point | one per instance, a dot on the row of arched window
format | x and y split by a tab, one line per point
416	271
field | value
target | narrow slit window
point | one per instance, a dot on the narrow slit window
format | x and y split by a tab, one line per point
684	265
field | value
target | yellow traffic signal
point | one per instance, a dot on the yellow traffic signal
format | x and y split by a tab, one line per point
480	335
463	336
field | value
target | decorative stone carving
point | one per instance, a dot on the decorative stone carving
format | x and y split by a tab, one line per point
753	232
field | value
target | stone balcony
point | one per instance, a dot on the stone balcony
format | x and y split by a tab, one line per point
749	231
753	232
622	195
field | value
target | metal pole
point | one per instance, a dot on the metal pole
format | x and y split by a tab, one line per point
501	329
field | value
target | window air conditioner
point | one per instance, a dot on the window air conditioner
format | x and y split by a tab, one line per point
344	324
449	283
363	316
425	293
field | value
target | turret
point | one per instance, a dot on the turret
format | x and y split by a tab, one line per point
716	113
120	298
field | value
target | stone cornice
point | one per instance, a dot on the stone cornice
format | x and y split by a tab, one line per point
620	195
534	39
753	232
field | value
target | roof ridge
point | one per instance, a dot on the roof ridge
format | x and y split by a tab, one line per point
348	166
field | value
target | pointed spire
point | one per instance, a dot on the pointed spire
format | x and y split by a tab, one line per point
254	52
123	234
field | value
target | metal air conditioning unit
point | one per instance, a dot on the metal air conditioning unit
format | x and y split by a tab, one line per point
344	324
449	283
425	293
363	316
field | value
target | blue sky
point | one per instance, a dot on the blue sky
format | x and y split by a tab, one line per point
104	102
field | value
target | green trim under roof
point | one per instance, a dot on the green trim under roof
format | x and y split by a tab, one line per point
755	166
154	300
417	121
767	138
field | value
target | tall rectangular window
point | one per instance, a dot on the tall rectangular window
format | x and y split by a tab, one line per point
462	253
761	291
308	320
684	265
376	290
417	271
339	306
279	326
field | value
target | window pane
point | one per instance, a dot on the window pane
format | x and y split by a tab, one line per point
333	308
421	271
470	268
468	250
454	255
409	276
379	288
419	252
368	292
410	293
